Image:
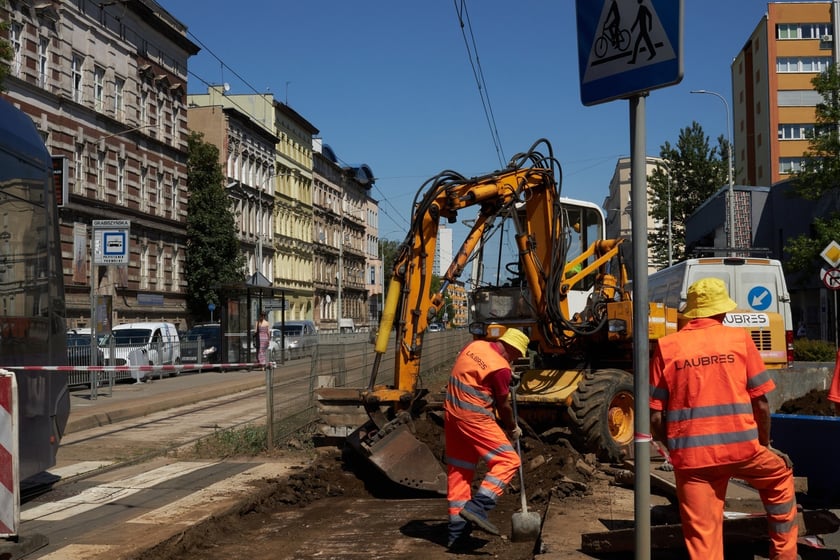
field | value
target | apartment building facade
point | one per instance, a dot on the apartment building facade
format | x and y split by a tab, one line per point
773	98
105	84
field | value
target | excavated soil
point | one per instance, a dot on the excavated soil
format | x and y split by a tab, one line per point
335	479
812	403
553	468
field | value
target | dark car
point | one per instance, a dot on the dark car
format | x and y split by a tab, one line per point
205	338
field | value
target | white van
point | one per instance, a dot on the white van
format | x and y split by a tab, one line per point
143	344
758	287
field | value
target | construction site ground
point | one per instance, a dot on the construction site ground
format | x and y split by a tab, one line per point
323	506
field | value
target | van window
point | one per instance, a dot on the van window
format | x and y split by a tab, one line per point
132	336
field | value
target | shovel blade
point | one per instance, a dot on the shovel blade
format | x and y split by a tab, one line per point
400	456
525	526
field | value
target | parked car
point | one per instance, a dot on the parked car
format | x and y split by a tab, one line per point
435	327
143	344
203	340
300	338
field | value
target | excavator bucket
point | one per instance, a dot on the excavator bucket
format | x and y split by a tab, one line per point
394	450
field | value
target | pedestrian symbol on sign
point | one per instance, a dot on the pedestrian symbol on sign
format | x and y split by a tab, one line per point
639	42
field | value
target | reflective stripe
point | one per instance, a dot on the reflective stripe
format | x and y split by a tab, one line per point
781	527
487	493
758	380
459	463
712	439
457	504
696	413
470	407
780	509
494	482
659	393
472	391
502	449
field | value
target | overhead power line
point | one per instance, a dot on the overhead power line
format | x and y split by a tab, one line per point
478	73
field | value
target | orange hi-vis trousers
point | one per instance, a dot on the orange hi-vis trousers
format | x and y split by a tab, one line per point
701	493
468	441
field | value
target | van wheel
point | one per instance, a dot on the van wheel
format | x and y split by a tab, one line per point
174	373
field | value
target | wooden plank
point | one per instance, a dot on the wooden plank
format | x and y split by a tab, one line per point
741	530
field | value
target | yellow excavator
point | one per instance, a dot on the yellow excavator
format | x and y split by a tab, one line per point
567	291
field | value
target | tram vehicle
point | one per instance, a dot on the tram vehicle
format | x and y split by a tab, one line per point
32	311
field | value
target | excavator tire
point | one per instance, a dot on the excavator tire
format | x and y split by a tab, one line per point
602	413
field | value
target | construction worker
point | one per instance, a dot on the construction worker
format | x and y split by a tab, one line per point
834	389
478	391
708	404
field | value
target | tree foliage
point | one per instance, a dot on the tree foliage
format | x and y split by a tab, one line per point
690	173
819	178
804	251
820	171
214	257
6	52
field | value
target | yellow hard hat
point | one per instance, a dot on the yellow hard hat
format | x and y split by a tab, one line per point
516	339
707	297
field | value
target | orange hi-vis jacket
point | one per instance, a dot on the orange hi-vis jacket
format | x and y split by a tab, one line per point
704	381
467	394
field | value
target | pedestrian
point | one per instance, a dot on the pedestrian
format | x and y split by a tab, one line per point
801	330
708	402
478	391
834	389
263	333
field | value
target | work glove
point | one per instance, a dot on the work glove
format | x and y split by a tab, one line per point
515	434
666	466
784	456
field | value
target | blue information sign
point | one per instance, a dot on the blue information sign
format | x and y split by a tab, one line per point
628	47
759	298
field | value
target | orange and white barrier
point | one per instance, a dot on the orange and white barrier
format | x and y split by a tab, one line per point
9	456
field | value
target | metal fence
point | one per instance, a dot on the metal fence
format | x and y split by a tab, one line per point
346	360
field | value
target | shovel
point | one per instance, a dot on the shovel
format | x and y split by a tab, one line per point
524	525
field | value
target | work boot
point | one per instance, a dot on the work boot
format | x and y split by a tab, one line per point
476	511
459	532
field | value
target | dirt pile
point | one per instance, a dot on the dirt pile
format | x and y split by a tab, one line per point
813	403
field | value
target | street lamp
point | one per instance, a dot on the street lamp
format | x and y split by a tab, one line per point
729	168
670	231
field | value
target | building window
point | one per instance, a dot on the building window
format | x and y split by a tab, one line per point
144	188
43	60
98	88
159	193
787	31
795	131
78	82
808	64
144	267
119	103
16	40
100	175
121	181
79	168
790	165
798	98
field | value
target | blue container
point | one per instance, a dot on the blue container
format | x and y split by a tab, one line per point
813	443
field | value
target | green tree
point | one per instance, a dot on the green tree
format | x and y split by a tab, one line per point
820	173
819	178
214	257
690	173
6	52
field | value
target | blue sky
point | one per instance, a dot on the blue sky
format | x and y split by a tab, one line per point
390	83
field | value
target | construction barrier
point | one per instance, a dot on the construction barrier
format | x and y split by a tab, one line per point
9	457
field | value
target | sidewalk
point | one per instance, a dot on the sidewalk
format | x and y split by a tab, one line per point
133	400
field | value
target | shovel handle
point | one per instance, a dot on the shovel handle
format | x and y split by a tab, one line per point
519	451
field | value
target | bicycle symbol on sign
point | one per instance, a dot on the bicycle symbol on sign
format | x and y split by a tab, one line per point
619	40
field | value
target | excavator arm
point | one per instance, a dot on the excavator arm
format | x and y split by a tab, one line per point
525	193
